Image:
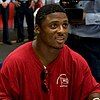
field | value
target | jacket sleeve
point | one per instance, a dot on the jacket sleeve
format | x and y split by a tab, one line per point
4	95
83	81
9	88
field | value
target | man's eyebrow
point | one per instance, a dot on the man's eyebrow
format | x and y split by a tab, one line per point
54	21
66	21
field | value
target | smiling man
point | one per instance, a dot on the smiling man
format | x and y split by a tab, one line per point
47	69
54	30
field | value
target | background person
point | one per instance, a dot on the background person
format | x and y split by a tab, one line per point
38	4
47	69
4	11
85	37
24	8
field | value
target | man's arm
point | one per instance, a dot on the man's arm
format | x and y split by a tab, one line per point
9	89
3	89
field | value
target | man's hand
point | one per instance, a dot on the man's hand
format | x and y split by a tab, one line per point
4	4
32	5
17	3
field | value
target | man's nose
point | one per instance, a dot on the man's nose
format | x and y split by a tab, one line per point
60	29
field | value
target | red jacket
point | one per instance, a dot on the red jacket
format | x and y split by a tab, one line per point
69	77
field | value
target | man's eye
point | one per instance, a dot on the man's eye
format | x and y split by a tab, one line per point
65	25
53	26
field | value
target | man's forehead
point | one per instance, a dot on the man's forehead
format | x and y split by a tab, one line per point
55	18
56	13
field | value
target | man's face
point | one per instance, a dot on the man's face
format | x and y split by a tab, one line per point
54	30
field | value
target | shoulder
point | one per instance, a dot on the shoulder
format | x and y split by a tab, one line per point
20	51
18	56
75	58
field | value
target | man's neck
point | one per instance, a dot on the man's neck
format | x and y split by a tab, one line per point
46	54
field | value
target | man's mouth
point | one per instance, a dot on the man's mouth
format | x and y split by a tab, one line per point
60	40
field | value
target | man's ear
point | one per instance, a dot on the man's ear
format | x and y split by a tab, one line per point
36	29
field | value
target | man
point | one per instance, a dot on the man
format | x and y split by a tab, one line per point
24	8
85	37
47	69
4	11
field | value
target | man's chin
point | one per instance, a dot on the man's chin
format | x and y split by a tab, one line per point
59	46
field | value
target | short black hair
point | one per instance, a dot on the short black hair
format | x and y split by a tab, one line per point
47	9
